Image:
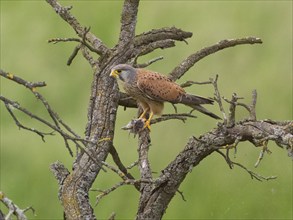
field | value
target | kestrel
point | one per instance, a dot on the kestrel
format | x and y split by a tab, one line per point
151	89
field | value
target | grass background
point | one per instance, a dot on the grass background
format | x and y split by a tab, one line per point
212	190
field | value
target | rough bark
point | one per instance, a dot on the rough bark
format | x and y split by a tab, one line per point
155	194
197	149
104	100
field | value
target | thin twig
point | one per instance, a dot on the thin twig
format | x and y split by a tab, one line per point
226	157
64	12
183	117
65	136
251	173
115	170
262	152
146	49
41	134
13	208
112	216
232	109
167	33
118	185
181	194
250	108
19	80
73	55
218	97
190	83
72	39
146	64
132	165
88	57
175	108
120	165
255	175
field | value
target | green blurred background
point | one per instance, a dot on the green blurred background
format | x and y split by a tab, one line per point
212	190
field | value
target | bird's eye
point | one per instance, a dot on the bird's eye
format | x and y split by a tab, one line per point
118	71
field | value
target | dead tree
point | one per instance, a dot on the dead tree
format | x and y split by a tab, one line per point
94	148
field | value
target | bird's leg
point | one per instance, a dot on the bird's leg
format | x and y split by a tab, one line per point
148	122
143	114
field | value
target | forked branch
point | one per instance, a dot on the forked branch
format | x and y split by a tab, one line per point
65	14
13	209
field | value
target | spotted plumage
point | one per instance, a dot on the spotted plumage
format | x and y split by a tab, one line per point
152	89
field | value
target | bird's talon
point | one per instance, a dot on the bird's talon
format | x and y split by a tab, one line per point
147	125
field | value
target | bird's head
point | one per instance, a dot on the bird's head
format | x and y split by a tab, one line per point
124	72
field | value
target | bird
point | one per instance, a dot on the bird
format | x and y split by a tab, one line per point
151	89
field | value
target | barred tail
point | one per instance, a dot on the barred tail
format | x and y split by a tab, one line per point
195	102
204	111
189	99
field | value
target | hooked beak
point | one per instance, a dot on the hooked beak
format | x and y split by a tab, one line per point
114	73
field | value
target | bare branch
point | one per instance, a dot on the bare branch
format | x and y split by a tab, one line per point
81	41
251	173
183	117
64	13
232	109
27	112
167	33
143	149
104	99
29	85
250	108
115	170
181	194
13	208
143	65
65	136
60	171
83	44
187	63
118	185
128	22
190	83
120	165
32	87
41	134
127	101
198	148
112	216
132	165
252	112
136	126
254	175
73	55
146	49
218	97
88	57
162	38
262	152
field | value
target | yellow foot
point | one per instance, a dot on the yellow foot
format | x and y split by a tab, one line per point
147	125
